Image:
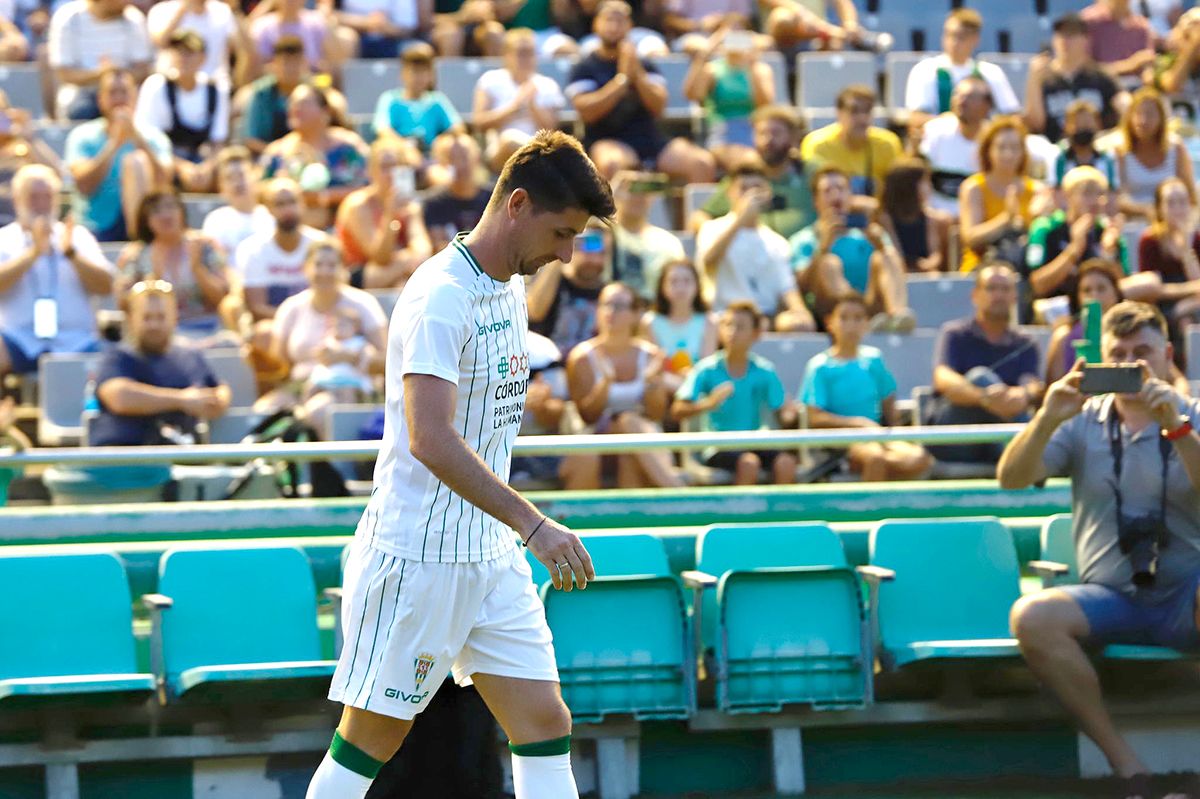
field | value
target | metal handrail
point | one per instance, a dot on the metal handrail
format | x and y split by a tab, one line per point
616	443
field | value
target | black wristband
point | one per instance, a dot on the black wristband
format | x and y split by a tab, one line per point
535	529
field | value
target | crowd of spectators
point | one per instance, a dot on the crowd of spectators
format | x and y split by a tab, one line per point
1080	188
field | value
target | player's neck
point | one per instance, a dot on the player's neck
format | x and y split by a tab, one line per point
487	246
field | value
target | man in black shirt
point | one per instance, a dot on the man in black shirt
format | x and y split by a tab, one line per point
1057	81
460	204
619	99
562	298
151	392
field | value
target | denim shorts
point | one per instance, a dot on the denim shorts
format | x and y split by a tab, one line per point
1117	618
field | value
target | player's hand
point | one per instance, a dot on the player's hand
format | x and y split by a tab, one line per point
563	555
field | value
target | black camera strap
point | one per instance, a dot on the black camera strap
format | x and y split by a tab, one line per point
1117	447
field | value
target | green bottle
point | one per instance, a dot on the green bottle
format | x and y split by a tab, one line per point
1088	347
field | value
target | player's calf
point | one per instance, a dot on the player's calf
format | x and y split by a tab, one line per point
363	742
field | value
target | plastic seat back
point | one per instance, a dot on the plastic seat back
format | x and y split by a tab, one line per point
365	79
820	76
790	353
908	357
940	298
66	615
456	78
956	579
615	556
230	368
1058	544
238	606
23	85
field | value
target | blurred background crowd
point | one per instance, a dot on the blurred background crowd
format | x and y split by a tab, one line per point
828	213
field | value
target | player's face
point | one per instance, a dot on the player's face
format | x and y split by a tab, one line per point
546	236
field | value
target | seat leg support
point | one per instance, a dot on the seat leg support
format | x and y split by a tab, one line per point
787	760
617	767
62	781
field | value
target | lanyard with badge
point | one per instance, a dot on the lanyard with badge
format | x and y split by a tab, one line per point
45	306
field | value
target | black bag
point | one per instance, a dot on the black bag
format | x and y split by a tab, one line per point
296	480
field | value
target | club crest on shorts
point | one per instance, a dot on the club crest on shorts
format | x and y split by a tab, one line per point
421	666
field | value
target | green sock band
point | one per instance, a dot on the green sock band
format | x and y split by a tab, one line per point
559	746
349	756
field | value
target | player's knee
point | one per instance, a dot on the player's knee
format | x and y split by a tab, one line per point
377	735
1037	619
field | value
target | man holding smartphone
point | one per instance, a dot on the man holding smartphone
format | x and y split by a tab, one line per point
1134	463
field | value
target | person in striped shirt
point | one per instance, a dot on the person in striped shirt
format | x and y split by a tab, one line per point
434	581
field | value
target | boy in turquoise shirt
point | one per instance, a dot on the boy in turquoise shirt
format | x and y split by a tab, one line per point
848	385
731	389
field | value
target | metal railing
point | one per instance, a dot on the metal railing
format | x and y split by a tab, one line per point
525	445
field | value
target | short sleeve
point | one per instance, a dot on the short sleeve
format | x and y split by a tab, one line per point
691	389
450	116
81	144
248	265
1029	360
203	373
803	246
945	352
57	52
774	387
812	390
917	94
140	40
1059	456
718	204
115	364
885	382
1005	98
431	339
1035	251
284	321
89	249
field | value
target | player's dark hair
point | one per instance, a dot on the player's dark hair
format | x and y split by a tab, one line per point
556	173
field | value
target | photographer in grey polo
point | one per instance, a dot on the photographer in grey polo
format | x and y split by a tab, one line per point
1134	464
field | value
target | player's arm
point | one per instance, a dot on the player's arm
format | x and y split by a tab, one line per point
429	410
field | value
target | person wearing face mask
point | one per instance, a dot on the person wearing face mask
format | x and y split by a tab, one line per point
1078	147
48	272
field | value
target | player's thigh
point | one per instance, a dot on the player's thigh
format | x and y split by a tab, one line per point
528	711
374	733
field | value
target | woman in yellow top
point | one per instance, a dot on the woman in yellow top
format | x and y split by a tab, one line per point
996	204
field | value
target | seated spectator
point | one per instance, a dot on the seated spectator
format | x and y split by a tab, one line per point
49	270
459	203
1121	40
540	17
332	336
1177	71
381	226
88	38
742	258
734	389
1148	153
679	323
470	28
832	258
641	248
562	297
1170	250
1098	281
791	23
151	392
727	78
932	82
222	26
703	19
615	381
984	370
165	250
1061	242
191	108
1132	462
619	99
950	142
328	160
270	265
513	102
777	133
998	203
416	110
326	45
114	162
860	150
242	215
849	386
1065	75
383	25
19	145
920	231
264	116
1078	147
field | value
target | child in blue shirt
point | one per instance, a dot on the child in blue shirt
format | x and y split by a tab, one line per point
731	389
848	385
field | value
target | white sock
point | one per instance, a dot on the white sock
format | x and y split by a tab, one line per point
545	777
334	780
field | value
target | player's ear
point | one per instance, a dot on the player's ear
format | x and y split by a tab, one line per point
518	201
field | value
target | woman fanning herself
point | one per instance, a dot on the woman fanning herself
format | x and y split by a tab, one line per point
616	383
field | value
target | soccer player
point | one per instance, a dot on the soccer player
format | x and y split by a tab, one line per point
435	581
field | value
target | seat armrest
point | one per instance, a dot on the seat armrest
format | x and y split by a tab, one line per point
874	575
156	604
334	595
698	579
1049	571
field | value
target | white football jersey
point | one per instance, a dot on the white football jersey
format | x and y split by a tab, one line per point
455	322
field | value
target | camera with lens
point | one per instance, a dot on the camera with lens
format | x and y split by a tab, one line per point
1140	538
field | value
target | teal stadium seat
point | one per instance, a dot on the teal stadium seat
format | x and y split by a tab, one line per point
622	645
953	582
66	635
237	623
1058	549
786	622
